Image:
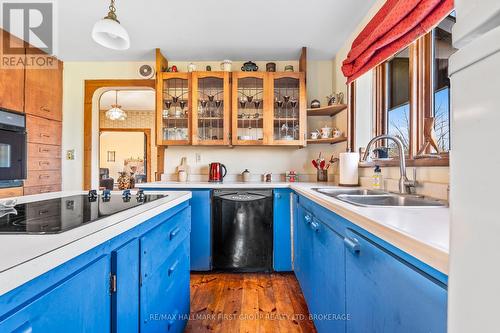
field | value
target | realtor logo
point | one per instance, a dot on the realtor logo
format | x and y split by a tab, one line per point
33	22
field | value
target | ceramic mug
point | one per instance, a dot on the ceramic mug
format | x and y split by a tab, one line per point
326	132
337	133
314	135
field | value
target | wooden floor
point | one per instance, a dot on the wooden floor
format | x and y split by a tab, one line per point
247	303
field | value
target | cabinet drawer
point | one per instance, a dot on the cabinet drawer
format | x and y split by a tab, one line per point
39	150
49	177
39	164
41	189
43	95
158	243
11	192
43	131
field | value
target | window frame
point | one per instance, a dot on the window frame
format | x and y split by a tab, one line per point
420	100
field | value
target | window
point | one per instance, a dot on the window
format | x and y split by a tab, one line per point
398	98
442	50
413	86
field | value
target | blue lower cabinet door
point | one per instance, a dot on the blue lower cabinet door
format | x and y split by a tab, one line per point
201	230
282	247
125	298
304	263
164	294
385	294
327	307
79	304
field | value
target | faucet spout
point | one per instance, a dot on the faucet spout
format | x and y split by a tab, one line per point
404	183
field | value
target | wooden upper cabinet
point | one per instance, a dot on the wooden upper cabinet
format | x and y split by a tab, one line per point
173	109
251	108
11	78
43	92
288	126
211	101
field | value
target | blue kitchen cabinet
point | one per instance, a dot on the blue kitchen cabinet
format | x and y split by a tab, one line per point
386	294
304	253
102	290
165	276
320	269
201	227
125	287
328	279
79	303
282	239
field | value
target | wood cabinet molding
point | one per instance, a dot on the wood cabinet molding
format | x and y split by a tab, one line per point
91	86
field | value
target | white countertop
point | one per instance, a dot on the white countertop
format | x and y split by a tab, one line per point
26	256
422	232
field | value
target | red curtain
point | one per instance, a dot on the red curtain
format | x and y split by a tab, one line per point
396	25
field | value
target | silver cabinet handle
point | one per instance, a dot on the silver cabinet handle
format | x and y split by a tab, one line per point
308	218
315	226
352	244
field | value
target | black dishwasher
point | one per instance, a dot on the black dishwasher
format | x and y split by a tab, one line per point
242	230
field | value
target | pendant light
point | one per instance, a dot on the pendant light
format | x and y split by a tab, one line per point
116	112
109	33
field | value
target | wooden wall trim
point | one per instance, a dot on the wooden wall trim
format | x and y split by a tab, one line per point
351	116
147	133
91	86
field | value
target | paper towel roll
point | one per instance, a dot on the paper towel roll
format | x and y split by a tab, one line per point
348	168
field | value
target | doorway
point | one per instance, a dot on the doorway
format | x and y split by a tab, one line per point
124	157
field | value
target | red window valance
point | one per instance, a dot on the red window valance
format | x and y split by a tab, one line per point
396	25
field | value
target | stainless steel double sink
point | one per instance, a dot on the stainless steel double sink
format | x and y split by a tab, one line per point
375	198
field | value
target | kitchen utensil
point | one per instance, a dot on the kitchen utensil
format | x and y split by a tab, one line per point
322	164
191	67
246	175
315	163
271	67
216	172
326	132
315	134
226	65
249	66
315	104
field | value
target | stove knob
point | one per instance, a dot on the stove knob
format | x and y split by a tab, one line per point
106	195
126	194
92	195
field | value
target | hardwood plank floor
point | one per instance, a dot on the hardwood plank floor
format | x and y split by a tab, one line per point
247	303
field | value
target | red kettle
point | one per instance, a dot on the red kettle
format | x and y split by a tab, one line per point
215	173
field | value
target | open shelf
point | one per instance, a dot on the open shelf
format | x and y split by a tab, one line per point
330	140
330	110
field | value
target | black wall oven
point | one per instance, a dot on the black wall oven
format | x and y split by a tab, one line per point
12	146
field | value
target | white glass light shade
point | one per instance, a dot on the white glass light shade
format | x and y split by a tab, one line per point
115	113
109	33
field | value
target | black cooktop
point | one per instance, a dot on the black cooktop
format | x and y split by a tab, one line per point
57	215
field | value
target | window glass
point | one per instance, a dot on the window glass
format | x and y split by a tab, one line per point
398	99
4	155
443	49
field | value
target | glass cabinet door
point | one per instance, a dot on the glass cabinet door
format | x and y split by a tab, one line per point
288	125
249	105
175	112
211	99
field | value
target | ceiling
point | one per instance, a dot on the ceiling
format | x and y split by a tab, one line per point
140	100
203	30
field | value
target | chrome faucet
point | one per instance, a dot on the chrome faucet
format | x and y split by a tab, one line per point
405	185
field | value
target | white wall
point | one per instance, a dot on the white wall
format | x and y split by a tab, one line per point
75	73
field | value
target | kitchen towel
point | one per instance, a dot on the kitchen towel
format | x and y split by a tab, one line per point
348	167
